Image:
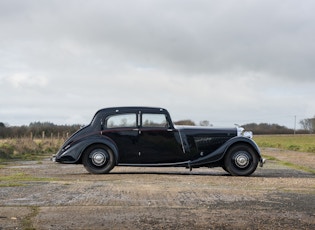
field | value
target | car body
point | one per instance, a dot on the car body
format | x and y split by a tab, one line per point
146	136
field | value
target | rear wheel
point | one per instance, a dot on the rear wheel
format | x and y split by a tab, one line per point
241	160
98	159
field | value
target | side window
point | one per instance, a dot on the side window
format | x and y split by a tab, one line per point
154	120
121	120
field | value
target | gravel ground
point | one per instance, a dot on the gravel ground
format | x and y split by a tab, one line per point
47	195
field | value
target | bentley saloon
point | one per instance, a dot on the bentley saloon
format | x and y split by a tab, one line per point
146	136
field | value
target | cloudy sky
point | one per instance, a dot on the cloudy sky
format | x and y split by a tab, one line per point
223	61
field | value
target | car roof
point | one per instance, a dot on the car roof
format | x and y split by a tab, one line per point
122	109
100	114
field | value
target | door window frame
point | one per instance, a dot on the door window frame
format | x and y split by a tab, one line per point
135	125
151	125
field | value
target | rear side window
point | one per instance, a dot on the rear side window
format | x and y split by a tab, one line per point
122	120
154	120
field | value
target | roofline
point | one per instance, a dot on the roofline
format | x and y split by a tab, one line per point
131	108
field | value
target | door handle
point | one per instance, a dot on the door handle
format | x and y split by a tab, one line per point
139	131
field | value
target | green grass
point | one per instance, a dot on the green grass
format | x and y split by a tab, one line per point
290	165
302	143
18	178
11	185
27	222
298	167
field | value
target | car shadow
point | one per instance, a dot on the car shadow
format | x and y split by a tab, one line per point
170	173
268	173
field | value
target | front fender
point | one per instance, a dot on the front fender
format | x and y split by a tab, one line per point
219	153
246	140
73	153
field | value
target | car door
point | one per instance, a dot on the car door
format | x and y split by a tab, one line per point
158	142
123	130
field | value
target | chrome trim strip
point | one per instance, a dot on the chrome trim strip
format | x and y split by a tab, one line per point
156	165
181	140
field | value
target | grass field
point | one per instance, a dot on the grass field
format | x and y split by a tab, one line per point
28	149
302	143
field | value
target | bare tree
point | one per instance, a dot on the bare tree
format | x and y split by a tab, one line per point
308	124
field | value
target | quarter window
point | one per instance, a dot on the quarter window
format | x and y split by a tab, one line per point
122	120
154	120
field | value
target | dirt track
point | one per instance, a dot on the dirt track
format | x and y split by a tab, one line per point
47	195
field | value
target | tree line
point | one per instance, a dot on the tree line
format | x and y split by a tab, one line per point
50	130
37	130
307	127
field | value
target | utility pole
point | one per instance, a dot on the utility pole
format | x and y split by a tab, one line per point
294	124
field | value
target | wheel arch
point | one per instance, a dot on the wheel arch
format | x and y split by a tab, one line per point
100	141
242	141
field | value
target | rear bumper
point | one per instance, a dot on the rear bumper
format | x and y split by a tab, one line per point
262	161
53	158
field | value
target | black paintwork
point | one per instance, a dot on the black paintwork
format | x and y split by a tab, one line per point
187	146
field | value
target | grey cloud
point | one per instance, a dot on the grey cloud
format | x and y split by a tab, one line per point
78	51
182	36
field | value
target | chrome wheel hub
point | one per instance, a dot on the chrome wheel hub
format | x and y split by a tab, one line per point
242	160
98	158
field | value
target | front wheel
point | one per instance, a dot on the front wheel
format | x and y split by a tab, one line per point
241	160
98	159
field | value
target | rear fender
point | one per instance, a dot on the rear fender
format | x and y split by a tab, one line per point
74	153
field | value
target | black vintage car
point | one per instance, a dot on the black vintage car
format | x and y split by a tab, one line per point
146	136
